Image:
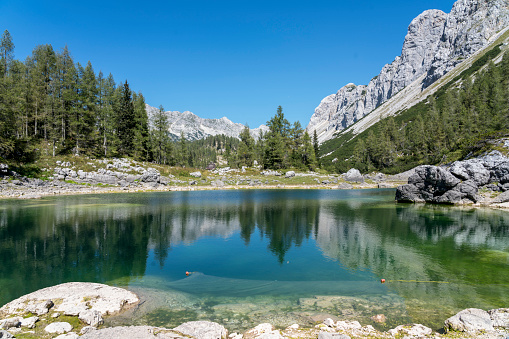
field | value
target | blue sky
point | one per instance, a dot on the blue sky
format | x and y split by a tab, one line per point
239	59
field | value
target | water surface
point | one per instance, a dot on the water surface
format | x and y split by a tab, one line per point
280	256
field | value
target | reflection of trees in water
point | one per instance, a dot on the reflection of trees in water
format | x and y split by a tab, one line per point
80	238
413	242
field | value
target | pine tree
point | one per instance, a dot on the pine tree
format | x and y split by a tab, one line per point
141	137
316	147
6	51
246	148
160	136
125	121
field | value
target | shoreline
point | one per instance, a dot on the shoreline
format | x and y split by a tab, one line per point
78	309
61	188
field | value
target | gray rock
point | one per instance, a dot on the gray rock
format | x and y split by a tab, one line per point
470	320
414	331
91	317
353	175
29	322
150	175
203	330
5	335
328	335
471	170
345	186
290	174
70	335
500	317
503	197
5	324
58	327
217	183
408	193
195	174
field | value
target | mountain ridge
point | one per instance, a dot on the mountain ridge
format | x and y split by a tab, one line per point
436	42
195	128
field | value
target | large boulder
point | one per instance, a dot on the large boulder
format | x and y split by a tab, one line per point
353	175
437	185
470	320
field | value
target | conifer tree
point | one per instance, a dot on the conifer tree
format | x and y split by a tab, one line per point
125	121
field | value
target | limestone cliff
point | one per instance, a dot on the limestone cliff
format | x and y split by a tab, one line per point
434	44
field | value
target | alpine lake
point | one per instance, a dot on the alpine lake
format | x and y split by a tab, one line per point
255	256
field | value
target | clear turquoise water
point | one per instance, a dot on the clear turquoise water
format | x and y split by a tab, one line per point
257	256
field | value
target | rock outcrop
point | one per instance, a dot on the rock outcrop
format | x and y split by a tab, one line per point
475	321
458	183
435	43
195	128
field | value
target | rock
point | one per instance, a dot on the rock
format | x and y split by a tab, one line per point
195	174
329	322
289	174
327	335
293	327
503	197
217	183
263	331
150	176
414	330
91	317
379	318
203	330
70	335
5	335
344	186
8	323
384	185
348	325
75	297
29	322
500	317
353	175
471	170
469	320
58	327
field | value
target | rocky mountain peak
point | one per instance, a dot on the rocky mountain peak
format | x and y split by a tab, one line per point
195	128
434	44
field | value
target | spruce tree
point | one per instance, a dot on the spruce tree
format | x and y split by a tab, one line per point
125	121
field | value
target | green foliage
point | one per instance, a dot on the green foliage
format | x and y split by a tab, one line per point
52	100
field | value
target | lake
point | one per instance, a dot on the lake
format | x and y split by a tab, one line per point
254	256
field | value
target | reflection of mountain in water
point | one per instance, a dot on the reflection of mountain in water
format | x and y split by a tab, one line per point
88	238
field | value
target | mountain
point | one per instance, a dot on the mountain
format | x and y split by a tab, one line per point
196	128
435	44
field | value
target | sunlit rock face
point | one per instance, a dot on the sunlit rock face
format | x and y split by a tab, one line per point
195	128
434	44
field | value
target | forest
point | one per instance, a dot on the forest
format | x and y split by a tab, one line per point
51	104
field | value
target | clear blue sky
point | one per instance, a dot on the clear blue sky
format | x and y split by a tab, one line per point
239	59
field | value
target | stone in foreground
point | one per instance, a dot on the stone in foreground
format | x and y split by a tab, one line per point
75	297
58	327
203	330
470	320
